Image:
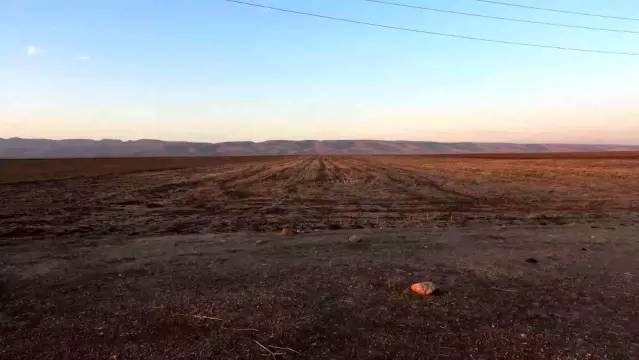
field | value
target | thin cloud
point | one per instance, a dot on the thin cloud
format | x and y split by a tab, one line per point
83	58
33	50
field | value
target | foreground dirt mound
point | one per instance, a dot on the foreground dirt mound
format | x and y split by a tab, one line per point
318	296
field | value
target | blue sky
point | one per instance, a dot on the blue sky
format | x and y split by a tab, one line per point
217	71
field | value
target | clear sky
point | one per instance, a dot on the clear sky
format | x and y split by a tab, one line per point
210	70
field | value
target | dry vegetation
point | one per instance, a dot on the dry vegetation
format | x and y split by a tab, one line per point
180	258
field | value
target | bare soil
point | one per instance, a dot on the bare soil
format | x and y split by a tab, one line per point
217	296
261	194
534	258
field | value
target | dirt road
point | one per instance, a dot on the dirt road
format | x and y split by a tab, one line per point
318	296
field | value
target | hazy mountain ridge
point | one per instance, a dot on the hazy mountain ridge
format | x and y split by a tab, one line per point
44	148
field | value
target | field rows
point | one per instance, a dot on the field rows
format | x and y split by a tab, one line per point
314	192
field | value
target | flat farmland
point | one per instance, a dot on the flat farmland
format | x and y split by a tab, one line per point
98	197
534	257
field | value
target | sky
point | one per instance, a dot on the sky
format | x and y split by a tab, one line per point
219	71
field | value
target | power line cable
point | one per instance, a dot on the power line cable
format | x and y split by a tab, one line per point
434	33
502	18
558	10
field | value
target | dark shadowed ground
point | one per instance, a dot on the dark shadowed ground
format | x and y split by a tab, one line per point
317	296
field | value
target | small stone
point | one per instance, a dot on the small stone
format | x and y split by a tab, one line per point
260	242
423	288
355	239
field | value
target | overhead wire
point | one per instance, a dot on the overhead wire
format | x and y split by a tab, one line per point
558	10
433	32
502	18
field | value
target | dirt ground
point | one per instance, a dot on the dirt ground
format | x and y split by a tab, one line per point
102	197
318	296
113	260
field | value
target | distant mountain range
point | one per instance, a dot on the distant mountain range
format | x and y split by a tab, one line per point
43	148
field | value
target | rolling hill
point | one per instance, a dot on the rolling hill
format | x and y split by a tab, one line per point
71	148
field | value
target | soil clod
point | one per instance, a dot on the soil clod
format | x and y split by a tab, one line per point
287	231
423	288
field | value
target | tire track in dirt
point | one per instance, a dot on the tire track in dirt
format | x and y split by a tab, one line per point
311	192
418	177
427	176
271	193
342	170
333	173
307	194
246	186
161	184
393	181
260	172
198	182
304	171
373	190
347	192
313	171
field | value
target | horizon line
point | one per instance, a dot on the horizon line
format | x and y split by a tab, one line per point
326	140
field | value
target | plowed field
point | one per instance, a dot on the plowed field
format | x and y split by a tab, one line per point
116	259
137	197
